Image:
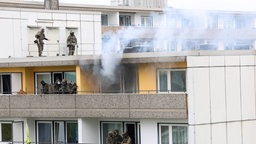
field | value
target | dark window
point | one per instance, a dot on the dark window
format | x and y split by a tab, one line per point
6	132
104	20
125	20
6	84
72	132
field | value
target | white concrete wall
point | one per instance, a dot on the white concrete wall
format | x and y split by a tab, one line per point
113	19
18	28
148	131
221	99
88	130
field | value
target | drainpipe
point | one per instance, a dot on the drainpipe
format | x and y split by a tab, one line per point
51	4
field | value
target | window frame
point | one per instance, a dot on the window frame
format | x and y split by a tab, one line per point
53	130
123	124
37	128
169	90
148	21
170	126
10	123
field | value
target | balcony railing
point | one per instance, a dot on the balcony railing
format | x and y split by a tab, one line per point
61	49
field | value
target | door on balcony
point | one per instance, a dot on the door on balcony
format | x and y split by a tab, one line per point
46	77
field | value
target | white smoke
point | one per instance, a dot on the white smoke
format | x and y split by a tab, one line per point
114	46
172	26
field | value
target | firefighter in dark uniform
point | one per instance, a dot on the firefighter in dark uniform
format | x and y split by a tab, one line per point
71	43
40	37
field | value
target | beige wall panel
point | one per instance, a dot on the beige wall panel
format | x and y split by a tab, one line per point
233	93
217	94
30	16
198	61
73	24
87	32
44	16
232	60
59	16
202	134
201	95
7	39
249	130
234	133
217	60
219	133
190	90
87	17
247	60
97	17
248	92
17	38
73	17
97	30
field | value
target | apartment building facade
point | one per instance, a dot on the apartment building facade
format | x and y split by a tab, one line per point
165	76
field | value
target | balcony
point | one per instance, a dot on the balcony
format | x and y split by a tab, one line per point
170	106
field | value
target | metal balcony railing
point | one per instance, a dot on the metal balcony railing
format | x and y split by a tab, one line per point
61	49
51	91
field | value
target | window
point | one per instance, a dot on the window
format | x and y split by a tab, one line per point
51	78
5	84
172	134
172	80
6	130
125	20
213	22
228	22
72	132
172	45
242	22
133	129
44	130
57	131
10	83
104	20
147	21
208	45
243	44
137	45
189	45
59	135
